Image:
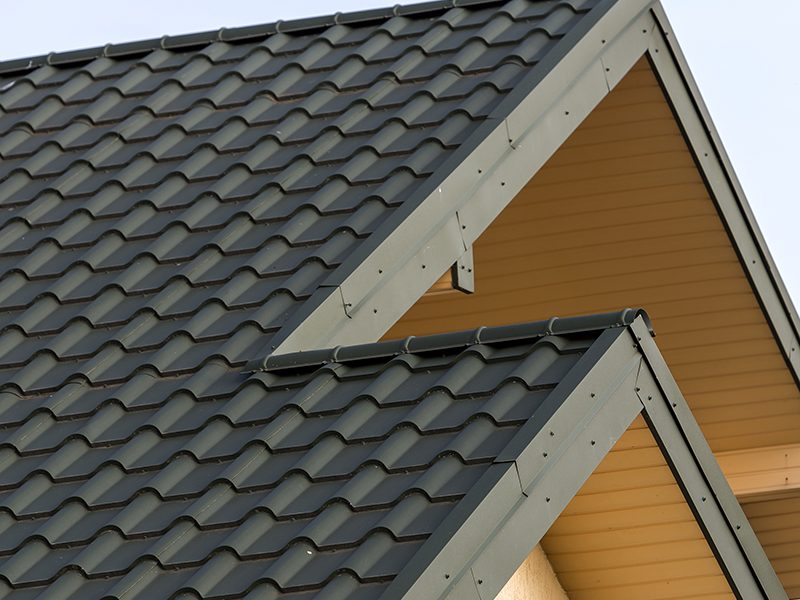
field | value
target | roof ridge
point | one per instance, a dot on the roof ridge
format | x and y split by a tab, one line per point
236	34
458	339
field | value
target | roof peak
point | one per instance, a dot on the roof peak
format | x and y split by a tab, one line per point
459	339
245	33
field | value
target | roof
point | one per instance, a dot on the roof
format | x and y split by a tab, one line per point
344	473
328	471
175	211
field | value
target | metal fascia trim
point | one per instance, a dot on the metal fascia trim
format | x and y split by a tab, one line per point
705	488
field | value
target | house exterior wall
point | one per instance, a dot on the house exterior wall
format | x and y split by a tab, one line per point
534	580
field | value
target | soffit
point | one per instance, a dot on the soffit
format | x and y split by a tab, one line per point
629	533
776	522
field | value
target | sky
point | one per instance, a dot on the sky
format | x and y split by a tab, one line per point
746	71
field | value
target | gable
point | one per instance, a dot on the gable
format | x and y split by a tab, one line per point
621	216
488	541
333	472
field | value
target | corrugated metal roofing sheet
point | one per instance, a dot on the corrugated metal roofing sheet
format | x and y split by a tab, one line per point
165	208
304	479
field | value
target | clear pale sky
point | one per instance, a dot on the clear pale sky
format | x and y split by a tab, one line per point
745	65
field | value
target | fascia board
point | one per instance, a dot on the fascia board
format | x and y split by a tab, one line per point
697	472
705	143
375	286
479	546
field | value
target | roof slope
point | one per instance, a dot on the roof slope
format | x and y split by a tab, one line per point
314	475
168	207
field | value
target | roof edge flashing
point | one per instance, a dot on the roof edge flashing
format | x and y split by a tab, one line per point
725	189
697	472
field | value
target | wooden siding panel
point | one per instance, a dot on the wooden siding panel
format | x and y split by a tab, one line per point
629	532
777	524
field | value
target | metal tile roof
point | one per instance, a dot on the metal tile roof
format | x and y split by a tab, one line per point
166	207
323	474
163	209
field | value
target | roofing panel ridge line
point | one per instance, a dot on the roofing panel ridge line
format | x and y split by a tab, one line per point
465	338
321	317
529	488
234	34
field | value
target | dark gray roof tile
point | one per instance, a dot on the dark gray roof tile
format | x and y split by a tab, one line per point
168	206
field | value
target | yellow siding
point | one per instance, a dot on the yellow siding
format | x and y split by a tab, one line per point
777	523
630	534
